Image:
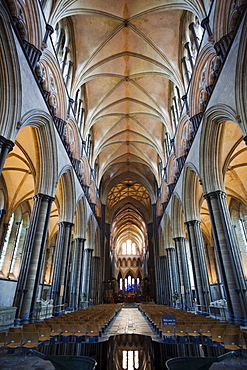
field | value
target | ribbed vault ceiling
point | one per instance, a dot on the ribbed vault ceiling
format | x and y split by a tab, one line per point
127	53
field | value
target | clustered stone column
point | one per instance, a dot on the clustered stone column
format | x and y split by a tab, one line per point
227	252
182	262
199	266
78	274
33	255
5	147
61	263
86	269
173	272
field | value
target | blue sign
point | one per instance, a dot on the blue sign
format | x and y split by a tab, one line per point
168	319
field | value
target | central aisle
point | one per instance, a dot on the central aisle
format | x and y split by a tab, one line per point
131	321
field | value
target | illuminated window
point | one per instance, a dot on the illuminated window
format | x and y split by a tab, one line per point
133	283
17	240
133	248
130	360
6	241
129	283
125	360
138	284
129	246
136	359
121	284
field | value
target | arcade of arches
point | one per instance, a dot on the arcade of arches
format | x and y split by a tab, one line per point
123	156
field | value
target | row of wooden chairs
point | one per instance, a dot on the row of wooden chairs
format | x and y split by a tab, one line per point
78	325
191	326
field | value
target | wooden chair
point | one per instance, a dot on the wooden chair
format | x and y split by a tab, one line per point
29	328
15	329
44	333
30	340
13	341
3	337
231	341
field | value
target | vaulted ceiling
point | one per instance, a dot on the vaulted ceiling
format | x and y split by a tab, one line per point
126	55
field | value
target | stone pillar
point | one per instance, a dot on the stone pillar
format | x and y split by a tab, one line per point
66	230
227	252
5	147
32	258
61	260
187	47
186	71
80	248
199	265
107	262
95	281
73	274
168	292
195	39
151	262
86	269
186	293
163	280
173	272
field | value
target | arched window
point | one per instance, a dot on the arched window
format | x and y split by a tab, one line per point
6	241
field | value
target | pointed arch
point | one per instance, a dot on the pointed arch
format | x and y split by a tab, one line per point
211	173
192	193
66	191
47	168
10	87
177	217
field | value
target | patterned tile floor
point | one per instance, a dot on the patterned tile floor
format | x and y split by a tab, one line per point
129	320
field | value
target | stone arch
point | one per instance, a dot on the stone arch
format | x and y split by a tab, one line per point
86	172
47	166
200	82
226	16
90	233
177	217
172	169
96	251
54	86
192	193
183	136
168	242
241	79
72	137
80	218
10	87
66	194
210	170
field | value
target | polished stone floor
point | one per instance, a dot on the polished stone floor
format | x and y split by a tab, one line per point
129	321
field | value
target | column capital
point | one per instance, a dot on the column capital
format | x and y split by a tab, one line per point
80	240
206	26
43	197
6	143
215	194
192	222
88	249
66	224
179	238
49	28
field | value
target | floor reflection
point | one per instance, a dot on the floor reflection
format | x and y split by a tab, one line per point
130	352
